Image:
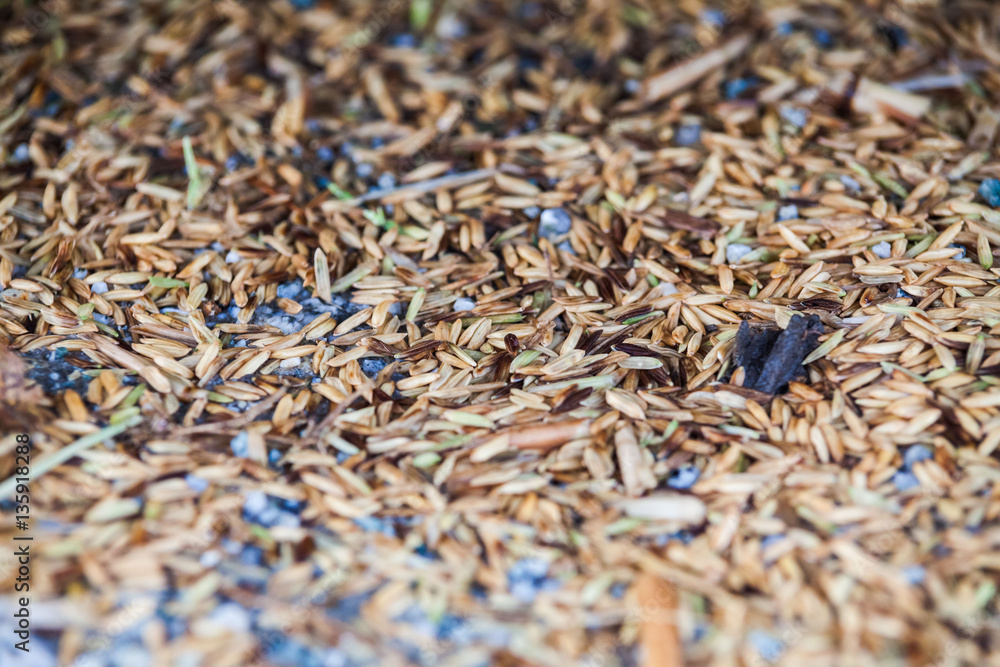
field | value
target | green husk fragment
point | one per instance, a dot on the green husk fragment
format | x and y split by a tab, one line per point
352	277
415	304
339	192
825	347
426	459
420	13
167	283
69	451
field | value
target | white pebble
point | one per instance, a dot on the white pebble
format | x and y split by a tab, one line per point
232	257
100	287
737	251
883	250
462	303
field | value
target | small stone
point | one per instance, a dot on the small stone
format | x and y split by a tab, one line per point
80	274
195	483
554	222
210	558
386	181
463	304
914	454
771	539
290	290
914	574
255	503
364	170
372	366
767	646
688	135
21	154
714	17
852	185
684	478
251	555
100	287
796	116
268	516
882	250
789	212
905	481
450	26
737	251
736	87
532	212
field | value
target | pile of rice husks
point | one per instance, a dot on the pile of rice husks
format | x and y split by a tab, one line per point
500	333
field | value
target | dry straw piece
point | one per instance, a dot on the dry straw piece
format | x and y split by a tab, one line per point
410	333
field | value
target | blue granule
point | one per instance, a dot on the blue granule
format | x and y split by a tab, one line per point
21	154
403	41
914	454
789	212
684	478
241	445
735	88
767	646
905	481
714	17
529	576
771	539
914	574
688	135
373	366
195	483
293	505
990	191
796	116
554	222
896	36
325	154
251	555
823	38
449	627
371	524
348	608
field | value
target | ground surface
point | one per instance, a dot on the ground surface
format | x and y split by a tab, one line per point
388	333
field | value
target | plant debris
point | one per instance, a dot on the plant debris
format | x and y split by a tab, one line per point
513	333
